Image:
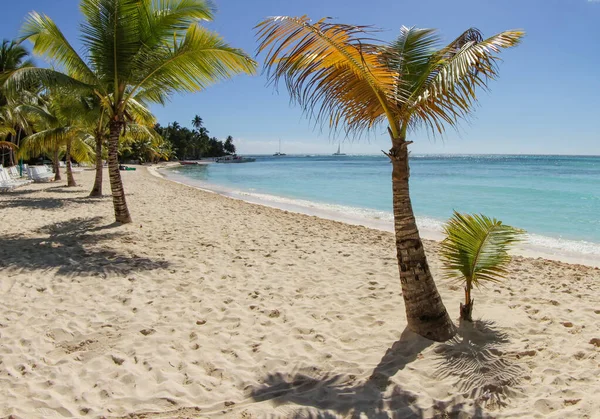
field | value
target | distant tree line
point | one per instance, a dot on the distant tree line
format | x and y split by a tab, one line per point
193	143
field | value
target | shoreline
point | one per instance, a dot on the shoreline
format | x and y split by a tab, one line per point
526	249
206	306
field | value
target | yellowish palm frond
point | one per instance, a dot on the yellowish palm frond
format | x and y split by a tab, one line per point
332	70
139	113
6	131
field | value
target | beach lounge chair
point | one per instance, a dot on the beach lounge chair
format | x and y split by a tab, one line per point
13	171
7	183
40	174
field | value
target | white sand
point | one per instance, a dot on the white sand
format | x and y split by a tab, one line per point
211	307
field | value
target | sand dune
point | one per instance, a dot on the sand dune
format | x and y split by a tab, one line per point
211	307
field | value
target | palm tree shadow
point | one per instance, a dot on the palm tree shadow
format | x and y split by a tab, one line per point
72	248
474	357
342	394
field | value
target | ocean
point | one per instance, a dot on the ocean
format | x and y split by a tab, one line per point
555	198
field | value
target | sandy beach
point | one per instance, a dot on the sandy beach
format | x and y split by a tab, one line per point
206	306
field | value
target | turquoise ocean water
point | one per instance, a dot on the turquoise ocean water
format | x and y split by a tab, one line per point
555	198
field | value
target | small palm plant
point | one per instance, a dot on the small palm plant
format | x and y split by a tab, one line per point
476	250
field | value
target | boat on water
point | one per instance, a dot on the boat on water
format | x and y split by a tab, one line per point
234	159
279	153
188	163
338	152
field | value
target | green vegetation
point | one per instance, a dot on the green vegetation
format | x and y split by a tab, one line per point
134	51
340	75
194	143
475	250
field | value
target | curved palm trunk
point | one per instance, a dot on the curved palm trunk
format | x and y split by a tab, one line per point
70	178
97	189
425	310
116	185
56	166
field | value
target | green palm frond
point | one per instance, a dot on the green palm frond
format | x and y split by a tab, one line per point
40	117
476	248
25	77
6	131
135	132
446	91
168	17
81	150
46	141
48	40
193	63
139	113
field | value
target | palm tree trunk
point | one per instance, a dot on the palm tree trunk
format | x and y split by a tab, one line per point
70	178
466	309
116	185
97	189
11	152
56	166
425	310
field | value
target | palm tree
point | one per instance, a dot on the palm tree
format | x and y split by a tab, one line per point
197	122
140	49
100	130
338	73
13	124
61	123
12	57
476	250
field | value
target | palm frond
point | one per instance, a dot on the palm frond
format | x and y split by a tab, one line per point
140	114
200	59
48	40
24	77
8	144
476	248
81	149
6	131
46	141
40	116
446	91
332	71
167	18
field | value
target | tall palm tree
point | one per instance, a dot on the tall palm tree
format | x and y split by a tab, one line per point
140	49
339	74
197	122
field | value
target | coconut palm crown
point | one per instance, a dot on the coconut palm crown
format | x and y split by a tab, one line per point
339	74
144	49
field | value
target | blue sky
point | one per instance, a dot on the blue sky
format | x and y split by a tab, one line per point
546	100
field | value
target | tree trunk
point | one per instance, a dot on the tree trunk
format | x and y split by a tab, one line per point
70	178
466	309
116	185
56	166
425	311
97	189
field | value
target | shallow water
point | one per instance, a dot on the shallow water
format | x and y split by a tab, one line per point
555	198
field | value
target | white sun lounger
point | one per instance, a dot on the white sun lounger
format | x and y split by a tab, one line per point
13	171
40	174
7	182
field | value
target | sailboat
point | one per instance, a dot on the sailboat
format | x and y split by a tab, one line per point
279	153
338	153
